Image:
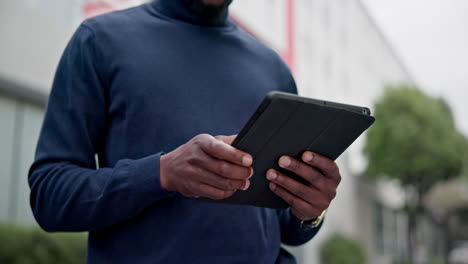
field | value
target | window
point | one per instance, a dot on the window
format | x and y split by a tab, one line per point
389	230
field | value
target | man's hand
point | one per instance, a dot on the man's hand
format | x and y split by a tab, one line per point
306	201
206	166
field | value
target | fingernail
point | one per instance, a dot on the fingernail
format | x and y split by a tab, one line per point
271	175
251	173
246	186
246	160
308	156
272	186
284	161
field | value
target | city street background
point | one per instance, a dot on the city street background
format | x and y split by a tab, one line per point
350	51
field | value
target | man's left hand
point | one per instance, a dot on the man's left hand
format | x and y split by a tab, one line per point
307	201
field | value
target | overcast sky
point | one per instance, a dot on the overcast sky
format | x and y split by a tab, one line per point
431	37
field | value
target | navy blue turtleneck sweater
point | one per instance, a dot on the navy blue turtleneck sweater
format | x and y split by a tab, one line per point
135	84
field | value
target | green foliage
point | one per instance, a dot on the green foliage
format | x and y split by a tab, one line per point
339	249
436	260
414	139
431	260
401	262
20	245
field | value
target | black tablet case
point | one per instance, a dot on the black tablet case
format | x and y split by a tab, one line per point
287	124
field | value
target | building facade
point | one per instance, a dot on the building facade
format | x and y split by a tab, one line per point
334	48
30	46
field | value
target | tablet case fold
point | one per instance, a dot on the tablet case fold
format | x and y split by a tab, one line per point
287	124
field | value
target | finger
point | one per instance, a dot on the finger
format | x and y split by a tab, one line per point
223	151
220	182
226	139
223	168
302	169
211	192
298	189
306	209
324	164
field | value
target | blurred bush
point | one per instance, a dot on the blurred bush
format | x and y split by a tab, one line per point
24	245
339	249
436	260
403	261
432	260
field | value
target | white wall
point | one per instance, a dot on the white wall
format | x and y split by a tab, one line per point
31	43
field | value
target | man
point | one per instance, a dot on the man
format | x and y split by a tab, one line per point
144	90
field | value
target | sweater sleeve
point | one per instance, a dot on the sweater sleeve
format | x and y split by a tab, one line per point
68	192
292	233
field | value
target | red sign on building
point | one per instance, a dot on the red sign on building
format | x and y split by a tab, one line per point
97	7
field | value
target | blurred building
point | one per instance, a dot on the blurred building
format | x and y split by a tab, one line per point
31	41
33	35
334	49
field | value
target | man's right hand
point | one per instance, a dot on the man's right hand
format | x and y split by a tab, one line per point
206	166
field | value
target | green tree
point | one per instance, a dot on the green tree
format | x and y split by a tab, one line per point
338	249
416	142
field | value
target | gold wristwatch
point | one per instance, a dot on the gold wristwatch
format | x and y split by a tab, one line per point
313	223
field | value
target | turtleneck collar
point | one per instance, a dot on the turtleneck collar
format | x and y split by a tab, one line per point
181	10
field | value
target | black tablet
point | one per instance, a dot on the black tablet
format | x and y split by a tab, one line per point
287	124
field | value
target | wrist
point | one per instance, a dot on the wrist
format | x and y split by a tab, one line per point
310	223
